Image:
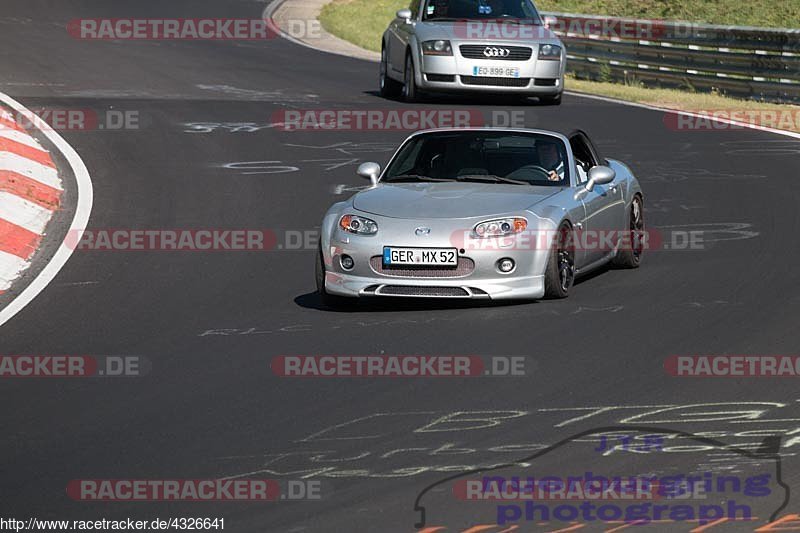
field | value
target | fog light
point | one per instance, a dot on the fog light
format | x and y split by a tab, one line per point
347	262
505	265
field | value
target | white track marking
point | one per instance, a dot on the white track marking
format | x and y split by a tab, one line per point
28	168
20	137
23	213
10	267
79	222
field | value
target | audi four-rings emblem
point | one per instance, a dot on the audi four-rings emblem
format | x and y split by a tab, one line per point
491	51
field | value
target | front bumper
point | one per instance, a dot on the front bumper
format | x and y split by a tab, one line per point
457	73
476	277
506	288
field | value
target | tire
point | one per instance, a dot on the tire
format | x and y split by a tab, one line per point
389	87
632	246
410	92
550	100
328	300
560	273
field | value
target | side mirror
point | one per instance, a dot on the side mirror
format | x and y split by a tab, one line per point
600	175
549	21
371	171
405	14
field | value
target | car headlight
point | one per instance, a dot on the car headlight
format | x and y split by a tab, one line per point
437	48
358	225
550	51
501	227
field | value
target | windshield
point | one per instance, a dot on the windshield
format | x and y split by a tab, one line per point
499	157
480	9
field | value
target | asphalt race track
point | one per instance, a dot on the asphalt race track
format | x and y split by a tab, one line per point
210	323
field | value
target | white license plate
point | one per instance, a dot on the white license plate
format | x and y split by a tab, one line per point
420	256
496	72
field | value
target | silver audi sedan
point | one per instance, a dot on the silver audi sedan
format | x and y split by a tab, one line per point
489	46
483	213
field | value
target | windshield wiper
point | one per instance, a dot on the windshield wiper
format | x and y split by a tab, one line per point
412	177
490	178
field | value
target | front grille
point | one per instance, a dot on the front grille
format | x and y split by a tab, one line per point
495	82
515	53
545	82
441	77
464	268
402	290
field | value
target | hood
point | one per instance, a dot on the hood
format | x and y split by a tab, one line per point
449	200
494	33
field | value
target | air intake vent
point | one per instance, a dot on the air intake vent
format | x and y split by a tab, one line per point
495	82
441	77
403	290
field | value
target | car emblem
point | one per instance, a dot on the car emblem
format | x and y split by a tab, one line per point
491	51
422	231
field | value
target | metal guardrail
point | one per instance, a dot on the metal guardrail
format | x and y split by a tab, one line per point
746	62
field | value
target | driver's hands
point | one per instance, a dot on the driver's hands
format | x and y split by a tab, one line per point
553	176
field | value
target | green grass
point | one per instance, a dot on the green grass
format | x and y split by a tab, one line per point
363	21
766	13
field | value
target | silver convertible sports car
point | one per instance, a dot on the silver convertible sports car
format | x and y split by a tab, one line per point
482	213
494	46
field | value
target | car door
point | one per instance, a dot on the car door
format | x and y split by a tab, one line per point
600	229
604	204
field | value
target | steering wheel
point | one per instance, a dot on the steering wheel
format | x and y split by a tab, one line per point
537	168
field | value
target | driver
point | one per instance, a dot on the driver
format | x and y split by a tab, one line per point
550	160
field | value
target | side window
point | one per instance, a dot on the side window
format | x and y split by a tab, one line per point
583	158
582	173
